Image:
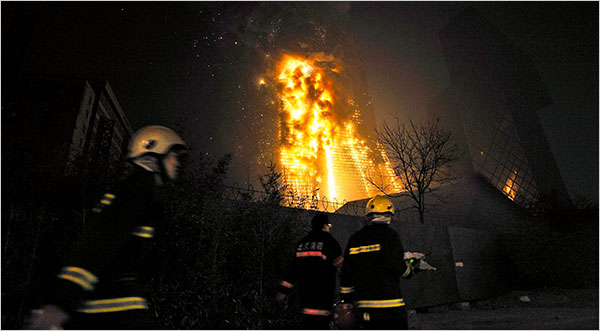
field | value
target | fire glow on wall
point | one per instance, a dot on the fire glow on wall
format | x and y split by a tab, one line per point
321	152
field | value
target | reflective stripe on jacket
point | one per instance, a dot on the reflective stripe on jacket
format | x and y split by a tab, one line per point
373	266
311	253
318	312
116	254
79	276
380	303
113	305
312	270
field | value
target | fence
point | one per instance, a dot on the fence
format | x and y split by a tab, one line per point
291	200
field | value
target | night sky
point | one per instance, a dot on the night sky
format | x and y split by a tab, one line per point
195	65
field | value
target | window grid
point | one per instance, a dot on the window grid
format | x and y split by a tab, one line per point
492	132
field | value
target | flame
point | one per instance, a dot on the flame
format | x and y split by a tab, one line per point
321	152
510	189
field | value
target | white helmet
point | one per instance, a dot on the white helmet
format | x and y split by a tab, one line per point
154	139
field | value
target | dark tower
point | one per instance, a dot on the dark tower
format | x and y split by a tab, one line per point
492	102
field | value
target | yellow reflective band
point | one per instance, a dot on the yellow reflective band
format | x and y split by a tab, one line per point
107	199
143	235
346	290
115	300
381	303
144	232
366	317
365	249
90	276
113	309
78	281
79	276
114	305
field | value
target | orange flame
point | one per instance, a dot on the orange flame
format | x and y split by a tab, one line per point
322	154
510	189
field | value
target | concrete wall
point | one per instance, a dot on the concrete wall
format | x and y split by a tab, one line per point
426	288
481	265
481	271
467	226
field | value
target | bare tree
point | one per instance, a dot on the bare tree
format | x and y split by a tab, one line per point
421	155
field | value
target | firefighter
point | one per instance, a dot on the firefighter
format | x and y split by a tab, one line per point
102	288
313	271
373	265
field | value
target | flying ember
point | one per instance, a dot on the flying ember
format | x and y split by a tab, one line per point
321	151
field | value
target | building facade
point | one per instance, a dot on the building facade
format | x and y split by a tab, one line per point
102	130
491	106
64	125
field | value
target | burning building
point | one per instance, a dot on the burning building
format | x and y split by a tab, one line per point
323	152
312	115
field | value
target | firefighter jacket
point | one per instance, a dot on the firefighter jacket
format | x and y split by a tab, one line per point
114	257
373	266
313	272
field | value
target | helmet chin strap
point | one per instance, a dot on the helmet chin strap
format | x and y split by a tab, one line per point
153	164
148	162
381	219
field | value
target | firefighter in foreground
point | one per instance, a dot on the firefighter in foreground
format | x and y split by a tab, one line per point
373	264
103	287
313	270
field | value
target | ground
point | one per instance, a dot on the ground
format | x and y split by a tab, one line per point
548	309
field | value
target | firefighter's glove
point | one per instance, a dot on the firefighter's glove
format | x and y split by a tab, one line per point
409	271
48	317
418	261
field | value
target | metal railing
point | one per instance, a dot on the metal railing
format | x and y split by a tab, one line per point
290	200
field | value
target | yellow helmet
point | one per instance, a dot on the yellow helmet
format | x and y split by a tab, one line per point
379	204
153	139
